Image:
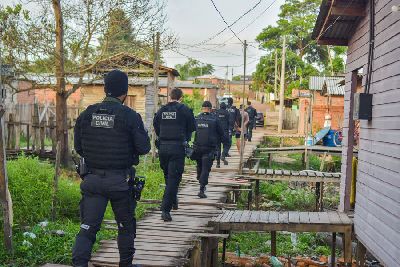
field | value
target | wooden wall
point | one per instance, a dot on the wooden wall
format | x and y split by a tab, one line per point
377	208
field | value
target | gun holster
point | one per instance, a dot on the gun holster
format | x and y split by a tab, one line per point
81	168
137	183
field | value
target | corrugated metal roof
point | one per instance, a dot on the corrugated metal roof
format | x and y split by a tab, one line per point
332	82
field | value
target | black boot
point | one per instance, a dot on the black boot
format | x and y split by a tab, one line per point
175	204
166	216
218	165
201	194
224	160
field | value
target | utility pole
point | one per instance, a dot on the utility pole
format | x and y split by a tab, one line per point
242	126
282	89
5	197
156	49
276	75
226	78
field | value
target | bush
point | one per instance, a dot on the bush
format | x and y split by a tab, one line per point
30	183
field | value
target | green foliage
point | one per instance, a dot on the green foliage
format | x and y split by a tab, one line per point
296	21
194	101
30	182
193	68
254	244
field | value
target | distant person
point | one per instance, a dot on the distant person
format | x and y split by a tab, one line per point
173	124
223	117
234	121
252	120
208	132
110	137
242	128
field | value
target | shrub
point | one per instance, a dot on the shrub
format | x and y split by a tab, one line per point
30	183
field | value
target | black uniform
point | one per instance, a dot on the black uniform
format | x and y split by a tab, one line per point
173	124
110	136
235	119
222	116
252	121
208	132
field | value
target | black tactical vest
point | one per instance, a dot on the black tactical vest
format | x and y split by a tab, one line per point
234	116
206	131
223	117
173	123
107	142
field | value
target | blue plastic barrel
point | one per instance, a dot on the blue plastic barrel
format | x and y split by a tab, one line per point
330	139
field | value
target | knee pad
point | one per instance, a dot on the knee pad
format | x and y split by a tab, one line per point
89	232
128	227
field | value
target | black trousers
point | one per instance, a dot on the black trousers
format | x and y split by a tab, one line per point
229	142
250	130
172	162
224	146
204	158
97	190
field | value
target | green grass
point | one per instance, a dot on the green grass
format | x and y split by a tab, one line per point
255	244
30	183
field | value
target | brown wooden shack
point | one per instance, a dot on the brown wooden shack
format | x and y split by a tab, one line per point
371	30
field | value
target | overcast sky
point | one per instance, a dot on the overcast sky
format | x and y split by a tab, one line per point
194	21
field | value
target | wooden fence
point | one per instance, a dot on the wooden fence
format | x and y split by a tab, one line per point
32	127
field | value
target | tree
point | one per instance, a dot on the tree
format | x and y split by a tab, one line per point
64	40
304	57
193	68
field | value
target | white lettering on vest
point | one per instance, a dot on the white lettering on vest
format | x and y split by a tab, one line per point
168	115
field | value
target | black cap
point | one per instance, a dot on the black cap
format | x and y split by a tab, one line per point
206	104
222	105
116	83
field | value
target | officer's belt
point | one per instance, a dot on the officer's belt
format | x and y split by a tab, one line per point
171	142
105	172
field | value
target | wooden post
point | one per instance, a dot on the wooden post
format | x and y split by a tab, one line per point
52	127
156	47
11	132
242	142
345	184
205	249
249	198
42	137
282	87
17	129
276	75
28	136
55	182
5	196
273	243
269	160
317	196
223	251
333	250
347	248
360	254
257	194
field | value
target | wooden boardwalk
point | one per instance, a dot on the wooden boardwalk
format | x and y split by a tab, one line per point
295	176
291	221
176	243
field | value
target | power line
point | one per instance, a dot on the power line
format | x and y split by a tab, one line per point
249	24
222	17
233	23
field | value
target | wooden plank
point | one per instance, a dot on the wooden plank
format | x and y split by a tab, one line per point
304	217
238	215
273	217
311	173
254	217
314	218
334	217
344	218
283	217
323	218
286	172
264	217
294	217
270	172
245	216
278	172
303	173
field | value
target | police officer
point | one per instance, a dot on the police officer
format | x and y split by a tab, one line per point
110	137
234	122
223	117
208	132
173	124
252	120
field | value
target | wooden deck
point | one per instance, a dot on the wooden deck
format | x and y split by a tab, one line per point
294	176
177	243
291	221
317	149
